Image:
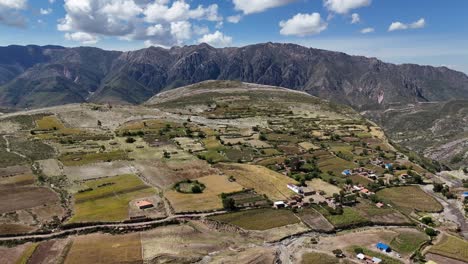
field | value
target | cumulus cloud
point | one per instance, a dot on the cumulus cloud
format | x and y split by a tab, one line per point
344	6
421	23
216	39
82	37
234	19
158	22
303	25
180	10
257	6
13	4
367	30
9	14
45	11
355	18
181	30
155	30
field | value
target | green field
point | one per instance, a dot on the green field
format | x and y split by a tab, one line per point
108	199
258	219
408	242
318	258
349	217
408	198
452	247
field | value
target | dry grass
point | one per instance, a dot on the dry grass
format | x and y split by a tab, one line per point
188	243
452	247
259	219
263	180
99	248
320	185
409	198
208	200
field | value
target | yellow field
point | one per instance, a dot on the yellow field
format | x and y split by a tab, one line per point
110	201
452	247
263	180
211	143
320	185
208	200
409	198
99	248
308	146
52	123
49	123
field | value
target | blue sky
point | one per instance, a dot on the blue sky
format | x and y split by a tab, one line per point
417	31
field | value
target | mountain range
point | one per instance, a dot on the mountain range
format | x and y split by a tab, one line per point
38	76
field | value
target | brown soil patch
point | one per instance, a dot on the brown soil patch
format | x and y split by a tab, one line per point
25	197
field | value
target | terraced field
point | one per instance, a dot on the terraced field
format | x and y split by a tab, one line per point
108	199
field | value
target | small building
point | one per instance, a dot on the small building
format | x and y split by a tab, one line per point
308	191
279	204
376	260
388	166
361	256
144	204
295	188
383	247
379	205
464	195
347	173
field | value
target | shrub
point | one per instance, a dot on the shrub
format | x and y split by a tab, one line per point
130	140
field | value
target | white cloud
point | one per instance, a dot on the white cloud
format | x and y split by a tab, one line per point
180	10
160	22
217	39
303	25
13	4
181	30
418	24
9	14
100	17
367	30
421	23
355	18
51	1
234	19
344	6
82	37
155	30
200	30
45	11
257	6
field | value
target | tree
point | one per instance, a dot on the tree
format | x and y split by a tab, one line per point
130	140
196	189
229	204
99	123
438	187
427	220
430	232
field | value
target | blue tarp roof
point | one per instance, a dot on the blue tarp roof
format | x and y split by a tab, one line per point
383	246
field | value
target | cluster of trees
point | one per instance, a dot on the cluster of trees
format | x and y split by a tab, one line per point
444	189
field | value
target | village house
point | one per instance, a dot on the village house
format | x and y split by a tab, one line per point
383	247
279	204
144	204
368	259
295	188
